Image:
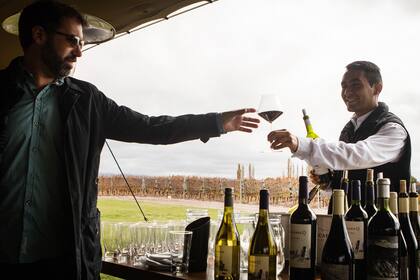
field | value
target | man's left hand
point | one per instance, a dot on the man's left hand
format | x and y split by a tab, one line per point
235	120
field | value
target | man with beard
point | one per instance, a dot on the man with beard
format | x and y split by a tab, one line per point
52	130
373	138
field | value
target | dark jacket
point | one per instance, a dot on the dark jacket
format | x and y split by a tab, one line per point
89	117
395	171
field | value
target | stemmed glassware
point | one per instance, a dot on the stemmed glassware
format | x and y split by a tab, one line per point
269	108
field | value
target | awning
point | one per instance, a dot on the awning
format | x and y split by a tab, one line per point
123	15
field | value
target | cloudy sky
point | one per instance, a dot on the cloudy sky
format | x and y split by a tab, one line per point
225	55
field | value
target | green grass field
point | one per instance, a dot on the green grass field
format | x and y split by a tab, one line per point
127	210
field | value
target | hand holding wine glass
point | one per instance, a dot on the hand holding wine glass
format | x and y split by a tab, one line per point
269	108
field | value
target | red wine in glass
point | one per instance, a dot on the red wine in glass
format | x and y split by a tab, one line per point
270	116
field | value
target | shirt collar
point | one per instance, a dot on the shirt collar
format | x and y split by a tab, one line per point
357	121
24	76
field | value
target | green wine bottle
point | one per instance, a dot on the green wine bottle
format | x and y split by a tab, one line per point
262	253
227	244
323	173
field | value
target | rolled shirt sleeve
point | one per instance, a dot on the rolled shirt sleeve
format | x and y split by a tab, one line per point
385	146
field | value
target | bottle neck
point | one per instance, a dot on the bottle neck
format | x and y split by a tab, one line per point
370	193
338	206
264	203
228	201
303	200
383	203
263	217
355	202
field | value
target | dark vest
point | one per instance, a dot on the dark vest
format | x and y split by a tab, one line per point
395	171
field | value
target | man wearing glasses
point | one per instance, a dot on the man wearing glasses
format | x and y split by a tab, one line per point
52	130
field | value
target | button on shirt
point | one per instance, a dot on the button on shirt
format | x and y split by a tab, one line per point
387	145
34	212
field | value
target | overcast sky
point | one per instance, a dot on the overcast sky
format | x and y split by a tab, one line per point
225	55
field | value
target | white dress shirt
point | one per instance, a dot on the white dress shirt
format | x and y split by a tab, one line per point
383	147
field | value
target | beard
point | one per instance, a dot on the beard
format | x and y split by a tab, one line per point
57	66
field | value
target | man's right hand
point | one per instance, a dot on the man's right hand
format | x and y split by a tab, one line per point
314	178
281	139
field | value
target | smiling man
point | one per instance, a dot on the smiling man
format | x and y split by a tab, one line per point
52	130
373	138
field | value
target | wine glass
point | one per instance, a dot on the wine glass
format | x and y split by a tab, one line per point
269	108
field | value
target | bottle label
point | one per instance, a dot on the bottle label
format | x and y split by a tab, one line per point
223	259
331	271
259	268
383	261
300	246
356	232
323	229
414	206
403	205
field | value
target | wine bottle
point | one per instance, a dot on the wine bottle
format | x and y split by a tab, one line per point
262	253
337	255
302	256
414	215
369	206
227	244
323	173
407	230
368	184
356	222
380	175
393	203
383	238
344	185
403	257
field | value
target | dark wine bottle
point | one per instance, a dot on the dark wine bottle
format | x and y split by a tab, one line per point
414	210
414	215
302	256
407	231
227	244
356	222
380	175
262	253
402	257
345	187
337	255
383	237
370	207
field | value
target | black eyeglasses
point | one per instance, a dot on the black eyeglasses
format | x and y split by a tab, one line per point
75	41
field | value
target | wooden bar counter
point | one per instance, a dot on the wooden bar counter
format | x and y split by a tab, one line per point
130	272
